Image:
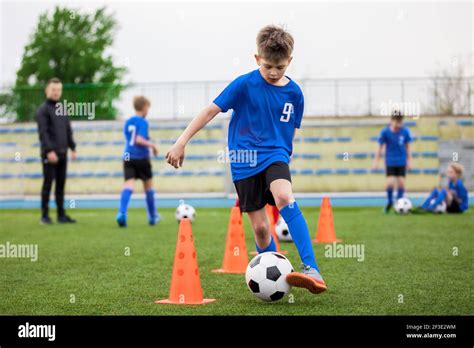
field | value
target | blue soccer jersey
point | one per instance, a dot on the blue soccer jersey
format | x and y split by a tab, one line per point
395	146
135	125
263	122
461	193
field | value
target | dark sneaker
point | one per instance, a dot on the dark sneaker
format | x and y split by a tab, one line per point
66	220
45	220
309	279
387	208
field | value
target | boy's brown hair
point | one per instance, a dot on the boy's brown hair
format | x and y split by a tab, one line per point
274	43
458	168
53	80
139	102
397	116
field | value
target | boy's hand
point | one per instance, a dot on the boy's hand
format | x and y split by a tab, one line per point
375	165
154	148
409	164
175	155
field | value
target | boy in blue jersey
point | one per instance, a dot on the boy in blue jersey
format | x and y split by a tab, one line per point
396	139
267	109
136	161
455	195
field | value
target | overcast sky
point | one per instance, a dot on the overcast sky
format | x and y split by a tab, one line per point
161	41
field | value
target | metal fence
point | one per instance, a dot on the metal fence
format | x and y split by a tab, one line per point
323	97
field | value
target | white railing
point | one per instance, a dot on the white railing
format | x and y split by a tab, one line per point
323	97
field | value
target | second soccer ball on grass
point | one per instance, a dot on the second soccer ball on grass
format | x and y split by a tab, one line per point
403	206
440	208
282	231
185	211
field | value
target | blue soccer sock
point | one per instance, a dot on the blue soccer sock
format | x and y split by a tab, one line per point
400	192
300	233
124	200
441	197
433	195
269	247
150	203
389	191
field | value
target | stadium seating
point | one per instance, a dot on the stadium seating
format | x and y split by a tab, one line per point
322	155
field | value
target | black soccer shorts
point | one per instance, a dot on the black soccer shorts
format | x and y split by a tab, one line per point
254	192
454	207
396	171
137	169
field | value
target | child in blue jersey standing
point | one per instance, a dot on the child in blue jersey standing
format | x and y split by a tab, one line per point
136	161
396	139
267	109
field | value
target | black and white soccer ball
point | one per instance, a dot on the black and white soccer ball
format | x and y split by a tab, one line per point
266	276
185	211
403	206
440	208
282	231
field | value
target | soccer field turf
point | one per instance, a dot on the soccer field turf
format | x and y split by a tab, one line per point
405	256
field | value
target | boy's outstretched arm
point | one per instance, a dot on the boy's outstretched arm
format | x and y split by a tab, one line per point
378	153
175	155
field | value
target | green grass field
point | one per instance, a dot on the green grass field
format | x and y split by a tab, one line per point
410	256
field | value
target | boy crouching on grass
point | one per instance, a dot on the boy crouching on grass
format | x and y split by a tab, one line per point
267	109
455	195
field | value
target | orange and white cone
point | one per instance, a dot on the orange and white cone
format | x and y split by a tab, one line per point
326	232
235	254
185	285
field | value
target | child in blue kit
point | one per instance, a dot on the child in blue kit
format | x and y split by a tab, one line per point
396	139
455	195
267	109
136	162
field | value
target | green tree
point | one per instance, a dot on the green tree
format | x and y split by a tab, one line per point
73	47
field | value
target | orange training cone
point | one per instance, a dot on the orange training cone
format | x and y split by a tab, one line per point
185	285
270	215
276	214
235	254
326	232
273	221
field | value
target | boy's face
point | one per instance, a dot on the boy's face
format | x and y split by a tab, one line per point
271	71
451	173
396	124
145	110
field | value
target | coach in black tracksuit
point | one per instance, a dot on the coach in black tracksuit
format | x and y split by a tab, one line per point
55	135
